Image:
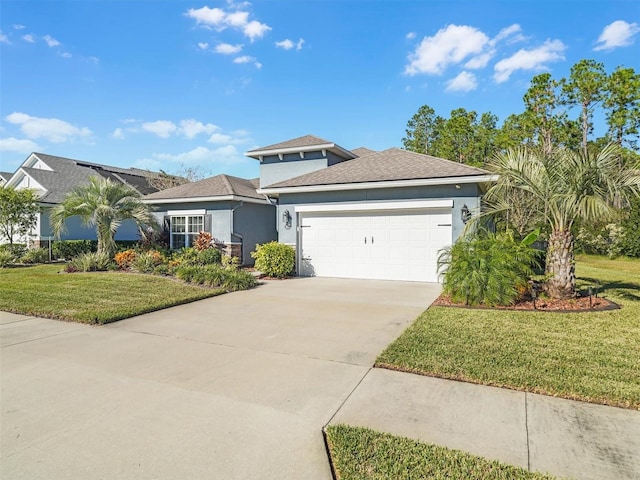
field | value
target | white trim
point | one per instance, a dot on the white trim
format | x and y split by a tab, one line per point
19	175
309	148
224	198
186	213
361	207
382	184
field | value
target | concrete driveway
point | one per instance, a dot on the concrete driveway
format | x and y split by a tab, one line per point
237	386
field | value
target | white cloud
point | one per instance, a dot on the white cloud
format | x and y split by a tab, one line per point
237	19
118	134
220	138
410	35
4	39
510	31
480	61
219	19
247	59
29	38
17	26
207	16
227	154
65	55
287	44
228	49
52	129
450	45
161	128
255	29
52	42
18	145
617	34
190	128
464	82
203	45
535	59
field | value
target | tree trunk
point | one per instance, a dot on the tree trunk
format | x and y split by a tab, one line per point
561	265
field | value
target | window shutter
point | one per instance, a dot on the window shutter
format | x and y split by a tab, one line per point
207	223
166	223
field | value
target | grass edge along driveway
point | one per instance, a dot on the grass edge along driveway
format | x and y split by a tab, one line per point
590	356
361	453
94	298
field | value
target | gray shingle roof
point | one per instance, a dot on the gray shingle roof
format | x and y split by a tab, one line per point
6	176
218	186
68	174
362	151
305	141
388	165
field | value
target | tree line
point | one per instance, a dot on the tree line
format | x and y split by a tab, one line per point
557	112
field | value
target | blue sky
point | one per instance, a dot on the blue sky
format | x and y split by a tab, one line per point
168	84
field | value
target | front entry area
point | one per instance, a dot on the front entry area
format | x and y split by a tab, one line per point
398	244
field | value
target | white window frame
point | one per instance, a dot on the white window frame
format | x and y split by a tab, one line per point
193	223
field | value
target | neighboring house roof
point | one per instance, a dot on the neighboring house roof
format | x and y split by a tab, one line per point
362	151
66	174
305	143
389	165
219	188
4	177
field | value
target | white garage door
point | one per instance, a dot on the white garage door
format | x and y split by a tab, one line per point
384	245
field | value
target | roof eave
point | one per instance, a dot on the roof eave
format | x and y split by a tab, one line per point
332	147
217	198
382	184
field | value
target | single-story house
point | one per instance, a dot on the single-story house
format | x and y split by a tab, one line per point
53	177
228	207
366	214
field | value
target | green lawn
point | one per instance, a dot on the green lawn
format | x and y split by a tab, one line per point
98	298
584	356
360	453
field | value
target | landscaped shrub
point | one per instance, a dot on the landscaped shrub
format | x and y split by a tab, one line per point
163	269
490	269
6	258
16	250
90	262
146	262
35	255
203	241
606	240
216	276
185	256
209	256
230	263
69	249
630	242
275	259
125	259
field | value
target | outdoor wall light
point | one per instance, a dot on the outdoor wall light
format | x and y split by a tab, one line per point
465	214
286	219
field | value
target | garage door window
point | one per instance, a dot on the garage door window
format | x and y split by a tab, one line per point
185	229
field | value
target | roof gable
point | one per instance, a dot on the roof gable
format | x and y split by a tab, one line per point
306	143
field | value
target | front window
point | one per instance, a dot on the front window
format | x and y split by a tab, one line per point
185	230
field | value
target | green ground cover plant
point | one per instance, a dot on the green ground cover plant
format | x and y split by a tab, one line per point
588	356
94	298
360	453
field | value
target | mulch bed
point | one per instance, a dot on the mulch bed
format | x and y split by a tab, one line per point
576	304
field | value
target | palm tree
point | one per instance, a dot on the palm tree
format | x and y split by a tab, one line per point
563	187
104	204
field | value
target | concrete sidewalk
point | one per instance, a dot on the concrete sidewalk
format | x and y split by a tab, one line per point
536	432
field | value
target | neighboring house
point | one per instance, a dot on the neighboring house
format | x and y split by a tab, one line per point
366	214
4	177
227	207
53	177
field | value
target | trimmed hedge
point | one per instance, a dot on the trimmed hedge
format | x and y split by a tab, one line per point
275	259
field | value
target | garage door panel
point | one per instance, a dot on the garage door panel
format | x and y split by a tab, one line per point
400	245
